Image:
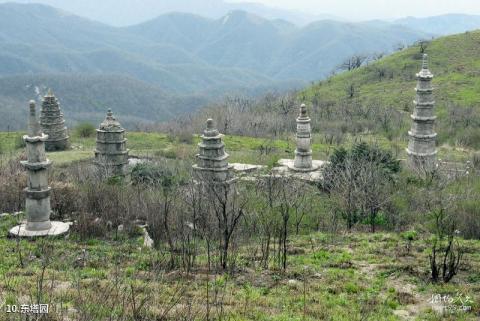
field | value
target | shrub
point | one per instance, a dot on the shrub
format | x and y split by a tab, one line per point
85	130
476	160
19	142
167	153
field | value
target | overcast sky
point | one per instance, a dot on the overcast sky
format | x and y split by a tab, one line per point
377	9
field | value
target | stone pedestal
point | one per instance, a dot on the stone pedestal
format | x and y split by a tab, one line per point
53	124
212	160
37	205
421	149
111	153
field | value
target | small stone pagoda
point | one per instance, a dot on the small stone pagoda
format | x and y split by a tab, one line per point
212	160
37	206
53	124
111	154
303	167
421	149
303	154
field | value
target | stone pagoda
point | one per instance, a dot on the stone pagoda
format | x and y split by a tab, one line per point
421	149
37	205
212	160
111	154
53	124
303	154
303	167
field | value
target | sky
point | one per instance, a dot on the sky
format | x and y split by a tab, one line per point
377	9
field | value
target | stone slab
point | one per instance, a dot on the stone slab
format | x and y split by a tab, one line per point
313	176
245	168
58	228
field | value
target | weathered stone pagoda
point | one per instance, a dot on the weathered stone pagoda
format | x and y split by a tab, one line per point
212	160
303	154
111	153
421	149
303	167
37	206
53	124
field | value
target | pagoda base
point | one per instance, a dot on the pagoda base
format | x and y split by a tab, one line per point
57	145
312	175
290	164
58	228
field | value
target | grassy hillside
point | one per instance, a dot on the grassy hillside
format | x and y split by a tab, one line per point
389	84
345	278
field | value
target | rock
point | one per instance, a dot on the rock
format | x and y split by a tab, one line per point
401	313
294	284
296	251
147	240
81	260
4	215
121	228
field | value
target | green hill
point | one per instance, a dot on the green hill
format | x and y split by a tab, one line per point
379	97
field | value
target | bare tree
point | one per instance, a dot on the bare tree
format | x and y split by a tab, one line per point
441	202
353	62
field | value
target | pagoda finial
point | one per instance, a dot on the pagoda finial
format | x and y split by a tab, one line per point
303	110
33	125
33	110
50	93
110	122
425	61
210	123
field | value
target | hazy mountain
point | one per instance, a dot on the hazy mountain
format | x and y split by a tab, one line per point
275	48
86	97
130	12
187	58
41	39
443	25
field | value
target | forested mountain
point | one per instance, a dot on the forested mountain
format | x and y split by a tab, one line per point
180	55
86	97
130	12
275	48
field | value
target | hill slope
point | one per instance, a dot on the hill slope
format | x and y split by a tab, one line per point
388	84
274	48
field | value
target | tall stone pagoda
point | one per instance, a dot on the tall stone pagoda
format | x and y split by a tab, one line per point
421	149
53	124
37	206
303	154
212	160
111	153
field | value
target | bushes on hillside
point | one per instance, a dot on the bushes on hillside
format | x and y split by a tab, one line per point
360	182
85	130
